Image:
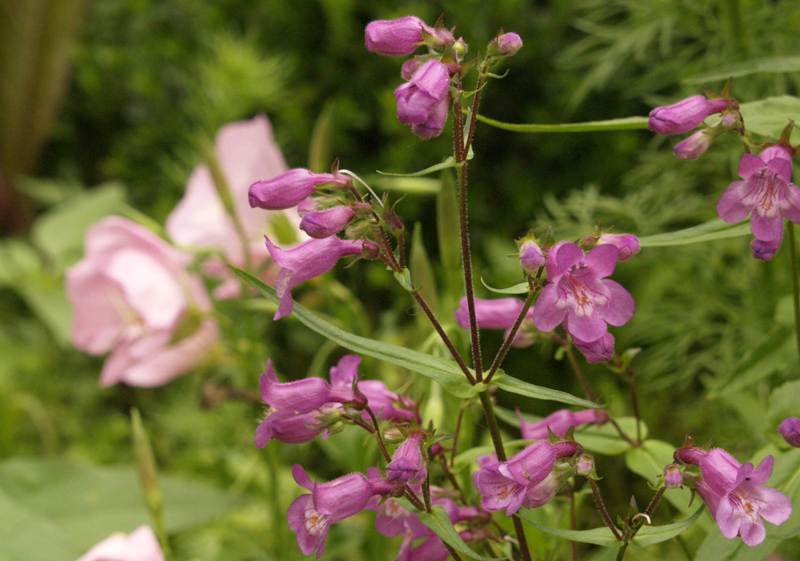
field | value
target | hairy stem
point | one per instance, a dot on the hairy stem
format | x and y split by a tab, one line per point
501	353
601	507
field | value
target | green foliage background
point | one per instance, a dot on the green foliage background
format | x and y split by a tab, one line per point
152	81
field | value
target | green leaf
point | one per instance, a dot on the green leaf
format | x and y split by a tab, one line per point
439	522
447	230
449	162
650	459
85	504
597	536
413	185
404	278
514	385
715	229
757	66
647	535
422	275
770	116
626	123
521	288
445	372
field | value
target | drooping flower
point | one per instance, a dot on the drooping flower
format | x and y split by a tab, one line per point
766	194
500	313
735	494
132	297
578	294
600	350
311	515
790	430
425	100
685	115
291	188
522	479
560	422
139	545
306	261
245	152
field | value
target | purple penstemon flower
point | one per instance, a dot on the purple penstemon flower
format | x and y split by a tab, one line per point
408	464
500	313
735	494
560	422
325	223
515	483
790	430
685	115
766	194
291	188
579	295
424	101
306	261
311	515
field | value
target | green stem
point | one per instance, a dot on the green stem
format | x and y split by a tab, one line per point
795	284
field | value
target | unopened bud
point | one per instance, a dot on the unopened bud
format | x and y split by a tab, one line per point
585	465
673	477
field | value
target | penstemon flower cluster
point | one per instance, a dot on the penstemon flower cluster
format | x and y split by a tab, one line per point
159	329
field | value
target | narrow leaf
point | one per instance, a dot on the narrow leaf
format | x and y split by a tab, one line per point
439	522
597	536
449	162
769	116
422	275
715	229
521	288
514	385
626	123
650	535
443	371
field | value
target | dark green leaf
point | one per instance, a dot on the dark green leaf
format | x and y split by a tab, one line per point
521	288
513	385
439	522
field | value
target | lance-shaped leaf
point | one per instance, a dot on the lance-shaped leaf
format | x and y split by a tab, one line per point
445	372
439	522
715	229
623	124
449	162
647	535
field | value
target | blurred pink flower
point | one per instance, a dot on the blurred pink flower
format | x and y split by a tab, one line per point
246	152
132	297
139	545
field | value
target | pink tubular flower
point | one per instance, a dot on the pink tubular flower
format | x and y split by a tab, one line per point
766	193
600	350
516	483
291	188
790	430
579	295
397	37
245	152
685	115
560	422
425	101
139	545
131	296
735	495
324	223
306	261
500	313
311	515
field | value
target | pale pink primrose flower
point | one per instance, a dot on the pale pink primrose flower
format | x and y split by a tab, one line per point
139	545
131	294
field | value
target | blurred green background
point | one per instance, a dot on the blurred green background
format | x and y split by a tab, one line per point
105	107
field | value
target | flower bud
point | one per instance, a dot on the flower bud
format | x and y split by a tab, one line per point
408	464
695	146
627	244
790	430
324	223
506	44
685	115
765	250
585	465
673	477
531	256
